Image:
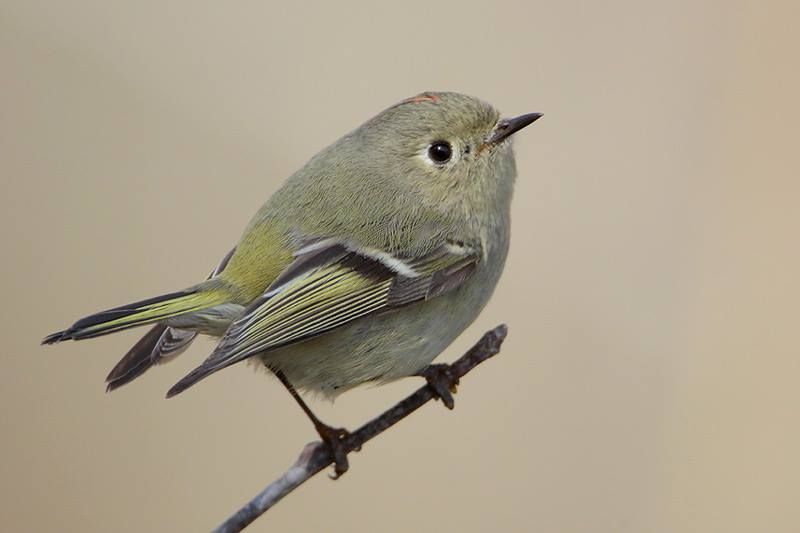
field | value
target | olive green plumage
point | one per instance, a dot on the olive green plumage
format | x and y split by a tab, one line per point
362	267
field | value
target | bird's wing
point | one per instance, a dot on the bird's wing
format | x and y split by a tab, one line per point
330	284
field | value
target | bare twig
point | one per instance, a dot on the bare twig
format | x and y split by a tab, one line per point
316	456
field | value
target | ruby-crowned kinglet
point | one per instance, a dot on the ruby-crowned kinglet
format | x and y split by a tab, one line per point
362	267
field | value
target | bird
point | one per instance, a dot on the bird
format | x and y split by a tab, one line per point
361	268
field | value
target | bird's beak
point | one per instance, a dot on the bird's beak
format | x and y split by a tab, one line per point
508	126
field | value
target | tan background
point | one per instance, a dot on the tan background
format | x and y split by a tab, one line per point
650	380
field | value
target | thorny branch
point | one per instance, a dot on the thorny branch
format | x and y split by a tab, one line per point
316	456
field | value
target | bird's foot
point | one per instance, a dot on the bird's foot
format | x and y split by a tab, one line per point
442	381
334	438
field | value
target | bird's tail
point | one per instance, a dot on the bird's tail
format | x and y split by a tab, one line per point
203	296
159	345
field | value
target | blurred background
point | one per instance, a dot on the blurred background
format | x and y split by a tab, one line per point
649	381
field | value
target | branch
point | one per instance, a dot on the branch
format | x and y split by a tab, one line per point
316	456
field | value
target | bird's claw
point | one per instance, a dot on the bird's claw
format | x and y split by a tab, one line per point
334	438
441	380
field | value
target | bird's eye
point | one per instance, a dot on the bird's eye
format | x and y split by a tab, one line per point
440	152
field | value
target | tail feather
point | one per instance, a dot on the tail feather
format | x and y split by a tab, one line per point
162	343
140	313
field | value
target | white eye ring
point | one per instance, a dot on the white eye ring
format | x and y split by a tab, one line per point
440	153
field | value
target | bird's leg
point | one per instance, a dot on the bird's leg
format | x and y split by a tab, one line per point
333	437
442	381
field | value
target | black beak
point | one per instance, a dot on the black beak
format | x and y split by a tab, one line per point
508	126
